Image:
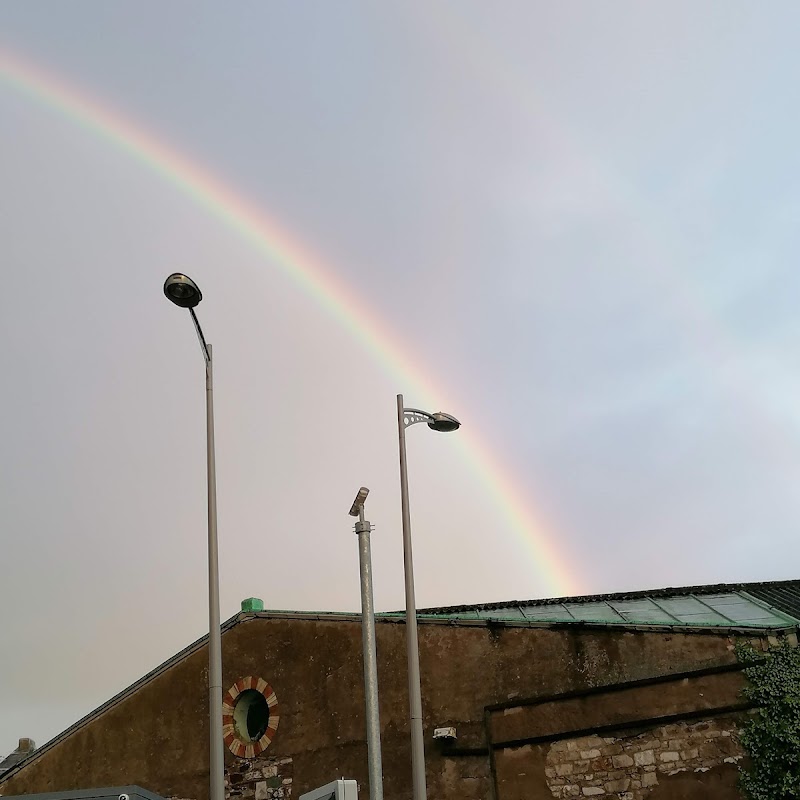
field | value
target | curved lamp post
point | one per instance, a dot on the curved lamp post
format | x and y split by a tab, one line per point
437	422
185	293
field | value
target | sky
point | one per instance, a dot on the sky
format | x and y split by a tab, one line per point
571	225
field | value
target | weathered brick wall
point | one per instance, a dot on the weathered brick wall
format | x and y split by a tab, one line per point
630	768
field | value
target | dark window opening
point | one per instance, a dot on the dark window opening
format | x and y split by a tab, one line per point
250	715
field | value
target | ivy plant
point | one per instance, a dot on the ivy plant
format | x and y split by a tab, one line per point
771	734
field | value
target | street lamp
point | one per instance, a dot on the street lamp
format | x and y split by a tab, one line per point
363	529
437	422
185	293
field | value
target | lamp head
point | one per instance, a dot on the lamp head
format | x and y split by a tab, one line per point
444	423
359	501
182	290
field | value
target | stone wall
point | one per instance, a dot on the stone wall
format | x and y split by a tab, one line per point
260	778
629	768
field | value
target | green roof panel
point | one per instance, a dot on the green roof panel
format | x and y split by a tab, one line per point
723	610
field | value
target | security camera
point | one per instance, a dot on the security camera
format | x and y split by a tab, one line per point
445	734
124	797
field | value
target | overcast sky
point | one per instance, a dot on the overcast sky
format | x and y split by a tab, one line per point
579	220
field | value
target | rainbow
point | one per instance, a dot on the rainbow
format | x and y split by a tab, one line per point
318	280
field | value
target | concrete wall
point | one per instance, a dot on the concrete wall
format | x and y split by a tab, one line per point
157	737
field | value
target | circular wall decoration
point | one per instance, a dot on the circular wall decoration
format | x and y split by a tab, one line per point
249	717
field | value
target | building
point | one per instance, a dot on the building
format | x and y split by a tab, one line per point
15	757
633	696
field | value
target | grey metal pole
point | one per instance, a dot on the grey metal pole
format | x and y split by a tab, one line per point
216	742
414	688
363	529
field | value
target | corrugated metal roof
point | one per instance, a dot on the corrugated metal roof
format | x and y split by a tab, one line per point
784	595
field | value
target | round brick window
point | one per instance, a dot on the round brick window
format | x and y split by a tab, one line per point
249	717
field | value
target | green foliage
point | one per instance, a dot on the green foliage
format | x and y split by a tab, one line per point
771	736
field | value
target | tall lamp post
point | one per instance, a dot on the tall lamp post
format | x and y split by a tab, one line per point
437	422
363	529
185	293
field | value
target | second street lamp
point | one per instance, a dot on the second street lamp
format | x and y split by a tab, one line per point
185	293
444	423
